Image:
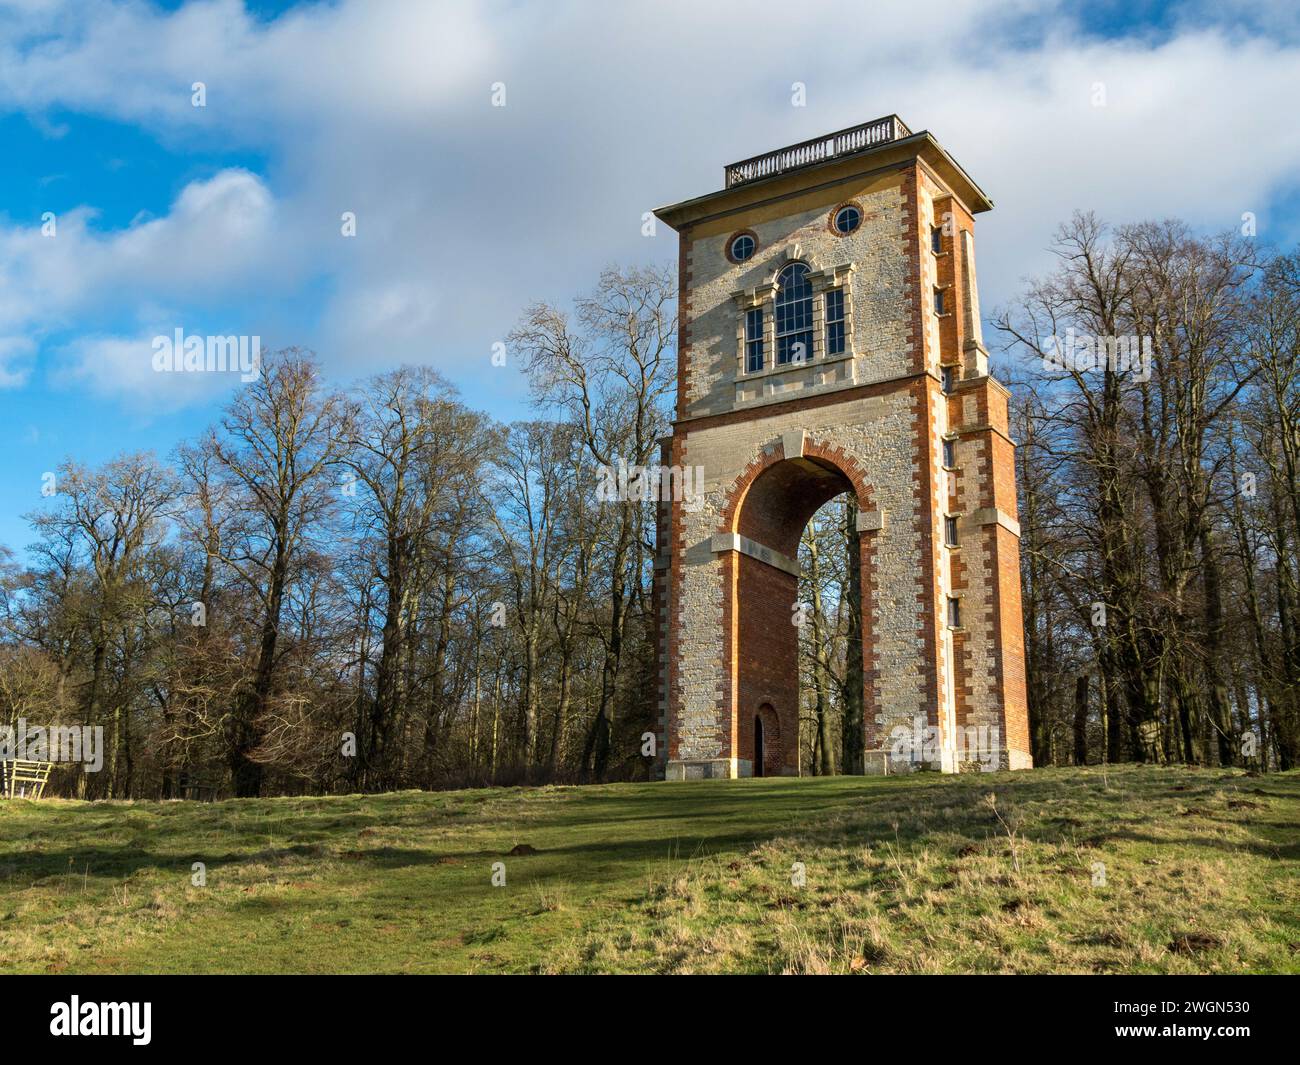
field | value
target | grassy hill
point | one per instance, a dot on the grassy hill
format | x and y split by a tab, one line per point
920	874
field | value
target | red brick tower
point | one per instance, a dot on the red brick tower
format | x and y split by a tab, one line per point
830	342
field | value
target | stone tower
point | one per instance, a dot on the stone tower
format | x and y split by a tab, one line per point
830	342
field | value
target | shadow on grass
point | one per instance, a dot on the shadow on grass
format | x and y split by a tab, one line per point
628	823
1259	847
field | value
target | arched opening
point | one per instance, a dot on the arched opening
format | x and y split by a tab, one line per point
771	617
794	315
830	642
767	760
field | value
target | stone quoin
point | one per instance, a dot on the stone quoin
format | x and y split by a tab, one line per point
830	342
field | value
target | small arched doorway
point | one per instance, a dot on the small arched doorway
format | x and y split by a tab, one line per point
765	743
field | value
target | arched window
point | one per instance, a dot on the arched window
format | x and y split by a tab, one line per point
794	315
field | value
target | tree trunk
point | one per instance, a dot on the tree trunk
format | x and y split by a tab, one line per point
1080	719
852	719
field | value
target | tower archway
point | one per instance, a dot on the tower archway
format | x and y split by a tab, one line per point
771	509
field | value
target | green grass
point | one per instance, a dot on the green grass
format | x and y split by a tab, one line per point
914	874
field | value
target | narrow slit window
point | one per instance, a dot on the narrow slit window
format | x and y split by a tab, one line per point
754	340
947	377
950	531
938	301
954	612
835	321
936	239
950	453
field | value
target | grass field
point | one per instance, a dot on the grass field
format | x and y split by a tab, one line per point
925	874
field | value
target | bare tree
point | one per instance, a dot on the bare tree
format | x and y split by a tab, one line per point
610	373
107	520
280	444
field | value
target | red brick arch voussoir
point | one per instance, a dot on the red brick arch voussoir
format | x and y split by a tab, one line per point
770	456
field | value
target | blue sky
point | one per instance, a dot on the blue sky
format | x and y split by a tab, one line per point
226	219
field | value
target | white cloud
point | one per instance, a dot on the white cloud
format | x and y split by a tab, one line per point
15	360
315	63
122	367
467	212
216	238
218	241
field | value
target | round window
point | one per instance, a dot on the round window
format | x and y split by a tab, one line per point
847	219
742	247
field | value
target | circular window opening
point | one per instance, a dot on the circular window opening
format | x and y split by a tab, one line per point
742	246
847	219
